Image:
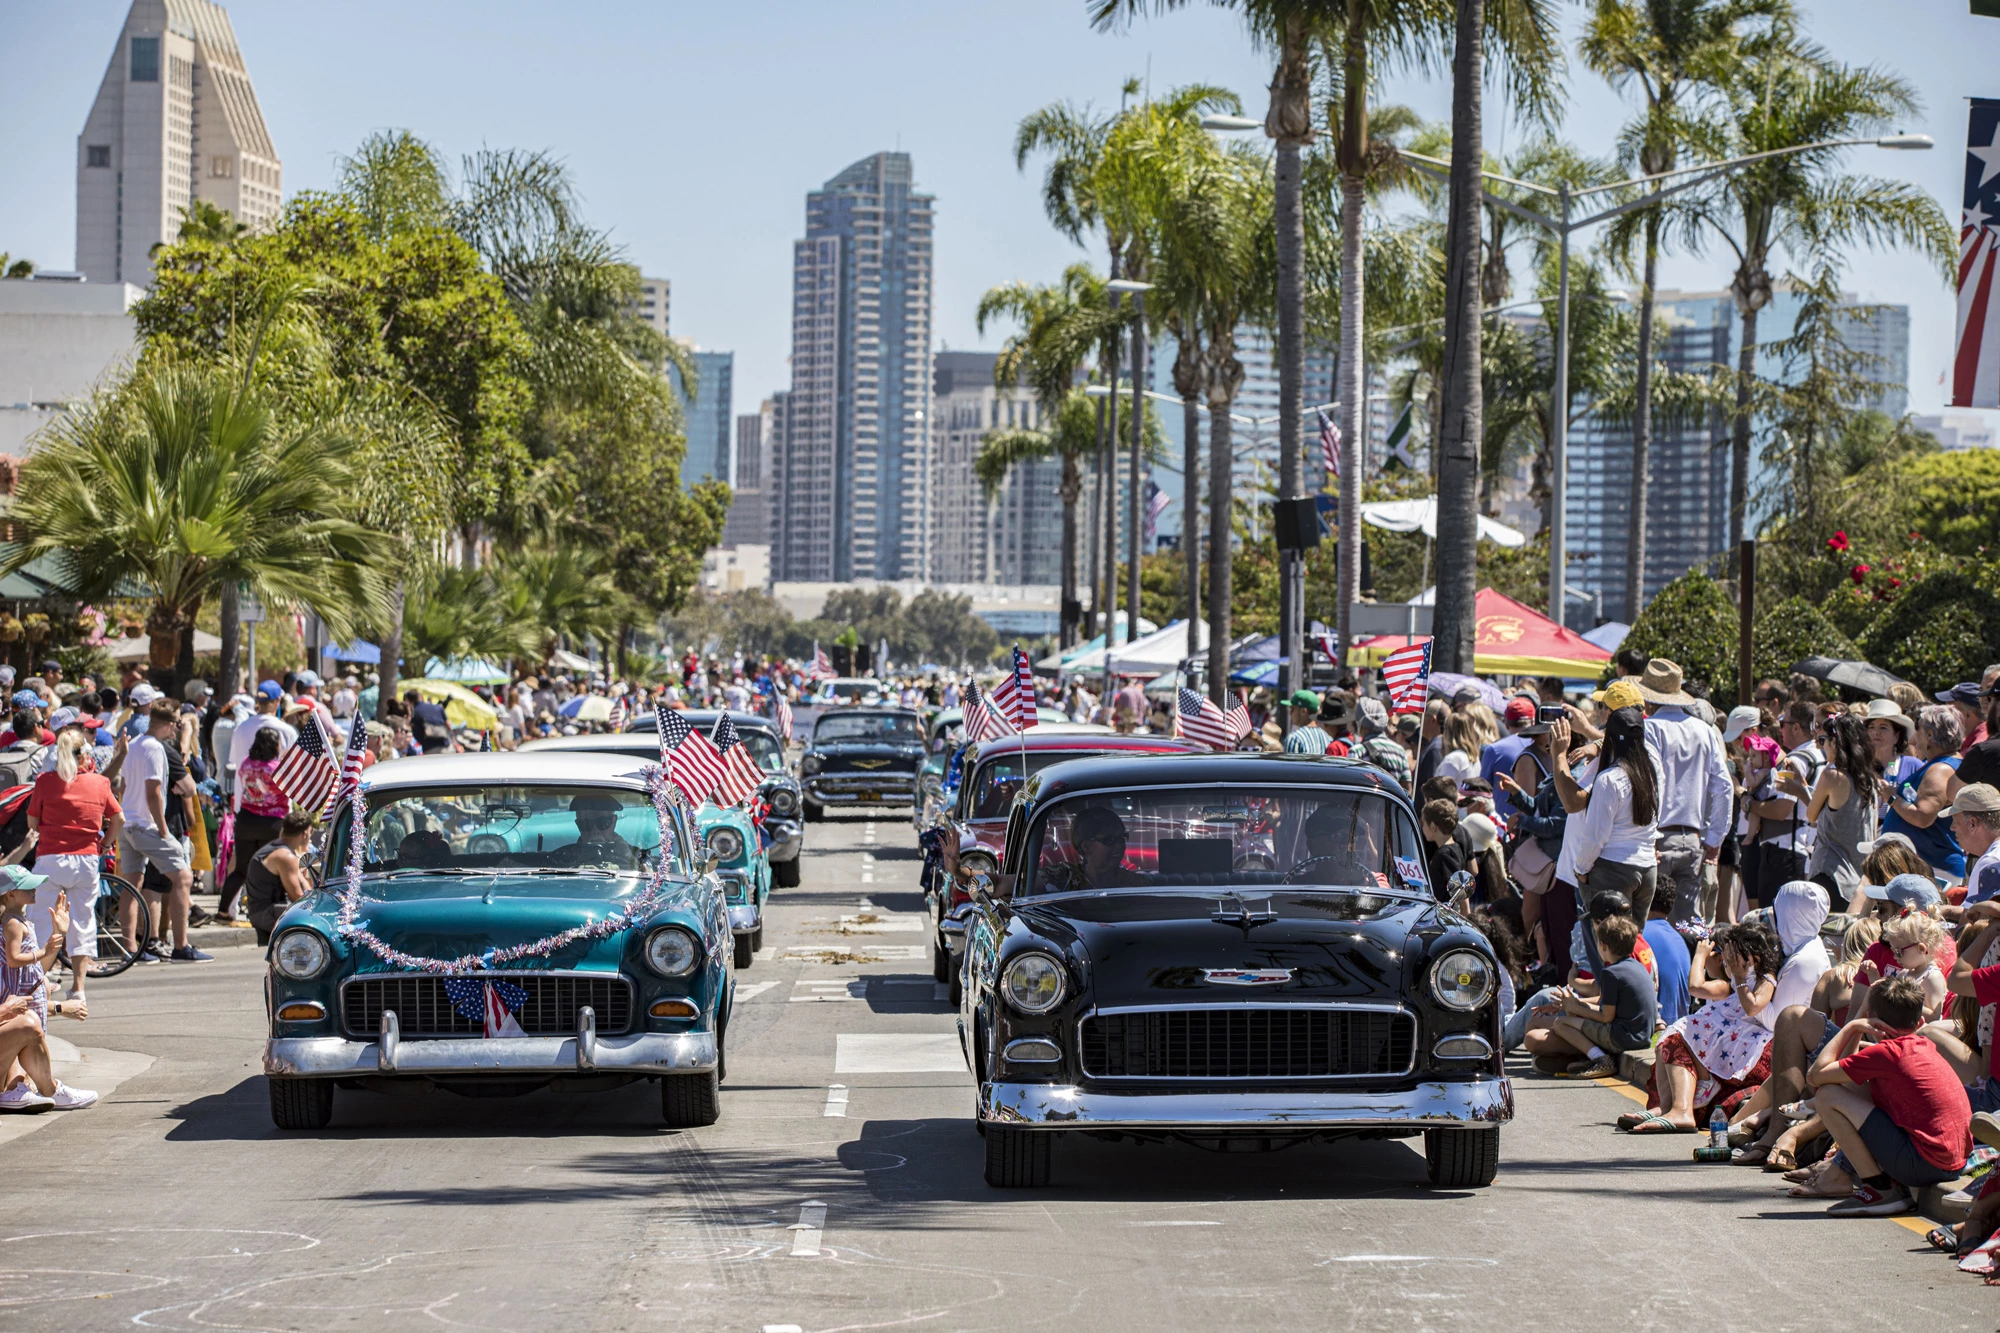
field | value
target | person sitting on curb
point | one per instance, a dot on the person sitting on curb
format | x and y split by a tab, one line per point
1892	1104
1621	1019
24	1001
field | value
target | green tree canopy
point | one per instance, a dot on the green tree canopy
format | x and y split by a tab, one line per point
1690	622
1943	630
1791	630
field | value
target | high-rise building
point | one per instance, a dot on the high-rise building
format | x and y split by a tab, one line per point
750	503
175	120
851	492
1016	537
654	304
710	416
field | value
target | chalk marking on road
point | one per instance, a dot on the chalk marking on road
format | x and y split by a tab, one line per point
1173	1224
807	1230
1410	1259
836	1101
753	989
898	1053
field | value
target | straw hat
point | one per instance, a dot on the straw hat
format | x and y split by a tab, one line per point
1662	684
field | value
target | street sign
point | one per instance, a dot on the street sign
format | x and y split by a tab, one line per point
248	609
1390	618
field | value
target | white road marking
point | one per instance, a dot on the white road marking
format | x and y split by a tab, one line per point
898	1053
836	955
752	990
765	954
839	988
783	1328
806	1231
1173	1224
836	1101
881	923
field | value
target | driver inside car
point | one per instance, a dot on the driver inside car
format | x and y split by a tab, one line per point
597	842
1099	837
1340	848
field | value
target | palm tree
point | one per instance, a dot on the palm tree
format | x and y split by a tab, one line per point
558	590
186	481
1669	50
1786	93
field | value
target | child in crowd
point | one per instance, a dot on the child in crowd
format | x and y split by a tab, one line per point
1620	1019
30	1086
1915	940
1894	1106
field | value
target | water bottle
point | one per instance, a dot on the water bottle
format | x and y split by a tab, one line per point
1718	1129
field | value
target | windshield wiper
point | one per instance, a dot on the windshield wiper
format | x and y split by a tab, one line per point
565	870
422	870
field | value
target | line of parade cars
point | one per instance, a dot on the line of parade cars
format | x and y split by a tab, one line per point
1237	951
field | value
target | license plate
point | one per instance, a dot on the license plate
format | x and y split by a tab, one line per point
870	796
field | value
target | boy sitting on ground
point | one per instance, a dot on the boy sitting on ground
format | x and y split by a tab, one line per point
1894	1106
1620	1019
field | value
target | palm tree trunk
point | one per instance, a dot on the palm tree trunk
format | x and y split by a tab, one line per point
1072	489
227	676
1739	445
1110	572
392	651
1642	430
1349	391
1454	624
1289	123
1220	475
1191	516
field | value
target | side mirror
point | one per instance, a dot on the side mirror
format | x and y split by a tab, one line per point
710	863
1458	889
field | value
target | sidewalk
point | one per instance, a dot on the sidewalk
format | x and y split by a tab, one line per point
100	1071
1636	1068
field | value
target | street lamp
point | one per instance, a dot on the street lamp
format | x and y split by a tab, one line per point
1563	224
1137	290
1230	124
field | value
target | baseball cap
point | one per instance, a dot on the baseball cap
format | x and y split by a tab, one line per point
1884	840
26	699
1620	693
307	679
143	694
19	879
1458	766
62	717
52	665
1905	891
1520	708
6	675
1979	798
1965	692
1468	693
270	689
1303	699
1742	718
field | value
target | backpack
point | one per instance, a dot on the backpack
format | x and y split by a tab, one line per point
14	817
19	765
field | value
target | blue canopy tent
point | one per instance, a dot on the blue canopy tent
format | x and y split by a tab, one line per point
358	651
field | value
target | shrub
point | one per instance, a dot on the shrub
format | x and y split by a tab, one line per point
1943	630
1690	622
1793	629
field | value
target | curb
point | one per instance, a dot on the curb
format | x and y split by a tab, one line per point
1636	1068
221	937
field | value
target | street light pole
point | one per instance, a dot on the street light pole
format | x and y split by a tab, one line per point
1138	290
1559	432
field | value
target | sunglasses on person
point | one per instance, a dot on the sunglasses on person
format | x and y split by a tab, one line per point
596	821
1104	839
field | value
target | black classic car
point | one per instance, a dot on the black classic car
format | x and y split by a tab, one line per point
1228	950
862	756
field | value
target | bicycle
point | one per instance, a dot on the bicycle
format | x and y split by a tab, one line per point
113	893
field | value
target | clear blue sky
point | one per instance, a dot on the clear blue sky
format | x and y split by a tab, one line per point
694	130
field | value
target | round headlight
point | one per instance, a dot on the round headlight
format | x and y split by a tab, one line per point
300	954
979	863
1462	979
672	952
1034	983
726	843
809	764
486	844
784	801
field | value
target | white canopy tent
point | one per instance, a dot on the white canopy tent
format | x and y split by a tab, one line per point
1153	654
1422	516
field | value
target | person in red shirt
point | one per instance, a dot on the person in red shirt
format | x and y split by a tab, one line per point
1894	1106
72	815
1976	972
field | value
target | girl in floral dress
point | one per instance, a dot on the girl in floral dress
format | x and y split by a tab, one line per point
1721	1050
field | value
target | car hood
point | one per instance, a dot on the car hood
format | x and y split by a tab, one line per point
1168	948
450	916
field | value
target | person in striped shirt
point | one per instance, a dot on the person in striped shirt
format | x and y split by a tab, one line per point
1305	736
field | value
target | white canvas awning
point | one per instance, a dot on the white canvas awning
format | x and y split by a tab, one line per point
135	650
1153	654
1422	516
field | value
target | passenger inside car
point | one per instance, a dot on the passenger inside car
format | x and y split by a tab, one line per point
597	840
1341	847
1098	837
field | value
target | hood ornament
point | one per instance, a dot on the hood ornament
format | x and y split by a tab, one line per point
1246	976
1233	911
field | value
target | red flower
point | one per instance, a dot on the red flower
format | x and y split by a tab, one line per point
1895	583
1858	573
1837	542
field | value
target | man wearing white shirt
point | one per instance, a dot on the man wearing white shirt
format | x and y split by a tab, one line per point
270	697
1695	787
145	838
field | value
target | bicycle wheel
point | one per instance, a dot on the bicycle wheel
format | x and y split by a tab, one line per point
116	898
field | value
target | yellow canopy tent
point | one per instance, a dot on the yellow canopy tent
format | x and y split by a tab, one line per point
462	708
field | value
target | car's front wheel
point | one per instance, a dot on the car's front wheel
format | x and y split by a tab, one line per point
940	958
689	1101
785	874
814	811
746	950
1462	1159
301	1103
1017	1158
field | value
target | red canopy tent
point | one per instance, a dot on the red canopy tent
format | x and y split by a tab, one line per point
1511	640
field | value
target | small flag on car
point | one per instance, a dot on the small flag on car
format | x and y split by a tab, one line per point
740	775
692	762
491	1004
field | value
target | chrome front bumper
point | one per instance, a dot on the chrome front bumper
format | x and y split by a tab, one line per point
848	789
745	918
645	1053
952	927
1469	1105
786	836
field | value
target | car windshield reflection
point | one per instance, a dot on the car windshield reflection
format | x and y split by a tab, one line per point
868	727
506	830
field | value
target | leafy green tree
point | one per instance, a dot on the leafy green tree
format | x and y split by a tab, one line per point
1690	622
453	612
1795	629
1943	630
1954	499
11	267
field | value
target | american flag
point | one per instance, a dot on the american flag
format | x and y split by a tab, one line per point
740	775
619	712
1197	718
1329	447
692	762
1406	673
781	709
1975	371
350	768
491	1004
486	742
1156	504
822	667
1237	715
1014	696
982	721
306	773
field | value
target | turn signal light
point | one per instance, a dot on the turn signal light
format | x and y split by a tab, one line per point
674	1009
299	1010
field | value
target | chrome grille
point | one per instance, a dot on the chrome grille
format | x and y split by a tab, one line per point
424	1010
1246	1042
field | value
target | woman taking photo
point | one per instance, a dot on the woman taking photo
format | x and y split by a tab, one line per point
1842	809
1613	840
1911	806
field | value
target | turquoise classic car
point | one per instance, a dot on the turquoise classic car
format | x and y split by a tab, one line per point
510	934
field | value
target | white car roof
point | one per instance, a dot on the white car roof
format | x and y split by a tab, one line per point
591	742
577	768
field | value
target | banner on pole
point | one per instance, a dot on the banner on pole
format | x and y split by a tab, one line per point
1975	370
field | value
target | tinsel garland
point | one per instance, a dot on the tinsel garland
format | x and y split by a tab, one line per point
651	900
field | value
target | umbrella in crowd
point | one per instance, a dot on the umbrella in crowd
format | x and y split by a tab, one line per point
1863	676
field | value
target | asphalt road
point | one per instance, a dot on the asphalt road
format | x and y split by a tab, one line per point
842	1190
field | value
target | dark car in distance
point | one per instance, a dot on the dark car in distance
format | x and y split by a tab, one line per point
1228	950
862	756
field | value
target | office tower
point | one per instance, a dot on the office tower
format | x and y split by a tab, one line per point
851	492
175	120
1881	333
654	304
1015	538
749	504
710	416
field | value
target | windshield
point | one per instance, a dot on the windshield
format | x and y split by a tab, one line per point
765	748
1219	836
999	778
868	727
462	830
854	691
